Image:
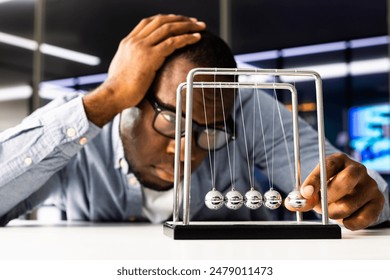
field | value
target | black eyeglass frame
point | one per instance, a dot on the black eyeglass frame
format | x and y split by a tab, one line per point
196	127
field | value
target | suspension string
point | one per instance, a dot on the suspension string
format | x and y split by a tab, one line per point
214	113
245	140
208	140
227	140
262	132
285	138
273	141
253	142
234	131
291	168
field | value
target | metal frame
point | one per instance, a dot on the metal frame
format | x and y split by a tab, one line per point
190	85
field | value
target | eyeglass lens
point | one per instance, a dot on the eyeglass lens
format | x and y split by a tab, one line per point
210	138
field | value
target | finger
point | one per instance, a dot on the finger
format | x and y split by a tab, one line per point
141	25
156	23
171	44
173	29
344	182
348	205
364	192
364	217
333	164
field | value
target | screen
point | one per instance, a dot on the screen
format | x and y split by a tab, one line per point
369	132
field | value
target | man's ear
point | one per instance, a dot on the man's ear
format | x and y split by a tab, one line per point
130	117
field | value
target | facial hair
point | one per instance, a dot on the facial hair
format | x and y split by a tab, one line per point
145	182
132	117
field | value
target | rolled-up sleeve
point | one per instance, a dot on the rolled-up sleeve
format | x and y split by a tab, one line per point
41	145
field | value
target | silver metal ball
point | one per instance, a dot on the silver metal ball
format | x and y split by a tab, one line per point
214	200
296	200
272	199
253	199
234	200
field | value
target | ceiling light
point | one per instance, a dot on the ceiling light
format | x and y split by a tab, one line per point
15	93
313	49
18	41
339	70
369	42
257	56
49	49
70	55
370	66
48	91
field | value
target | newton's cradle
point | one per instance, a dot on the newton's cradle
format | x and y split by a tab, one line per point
253	199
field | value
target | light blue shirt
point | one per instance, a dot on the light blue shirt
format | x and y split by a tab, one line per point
57	153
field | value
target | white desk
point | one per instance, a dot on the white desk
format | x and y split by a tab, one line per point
31	240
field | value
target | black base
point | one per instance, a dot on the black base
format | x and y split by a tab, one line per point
252	230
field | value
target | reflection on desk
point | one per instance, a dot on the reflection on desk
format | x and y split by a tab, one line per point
98	241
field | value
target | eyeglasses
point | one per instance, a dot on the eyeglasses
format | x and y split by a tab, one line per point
210	137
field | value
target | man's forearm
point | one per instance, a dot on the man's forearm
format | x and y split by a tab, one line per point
36	149
103	104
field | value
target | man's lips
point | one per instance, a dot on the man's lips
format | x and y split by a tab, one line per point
165	174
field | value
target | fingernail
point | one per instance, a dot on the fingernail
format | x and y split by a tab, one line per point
193	19
308	190
201	23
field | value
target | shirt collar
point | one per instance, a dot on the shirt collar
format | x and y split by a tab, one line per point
120	161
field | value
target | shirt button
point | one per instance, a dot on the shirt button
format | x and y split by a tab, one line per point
83	140
27	161
123	164
71	132
133	181
132	219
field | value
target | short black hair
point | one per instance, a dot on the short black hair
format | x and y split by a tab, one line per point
210	51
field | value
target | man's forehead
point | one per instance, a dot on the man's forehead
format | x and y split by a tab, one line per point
204	97
166	88
176	72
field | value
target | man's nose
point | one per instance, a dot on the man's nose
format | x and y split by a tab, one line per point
172	144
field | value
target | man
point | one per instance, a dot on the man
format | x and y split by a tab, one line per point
108	155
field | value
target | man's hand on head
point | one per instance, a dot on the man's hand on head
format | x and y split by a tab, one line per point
144	50
139	56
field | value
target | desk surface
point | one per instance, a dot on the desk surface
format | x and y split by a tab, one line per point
78	241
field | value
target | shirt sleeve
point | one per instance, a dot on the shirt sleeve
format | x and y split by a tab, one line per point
40	146
384	188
